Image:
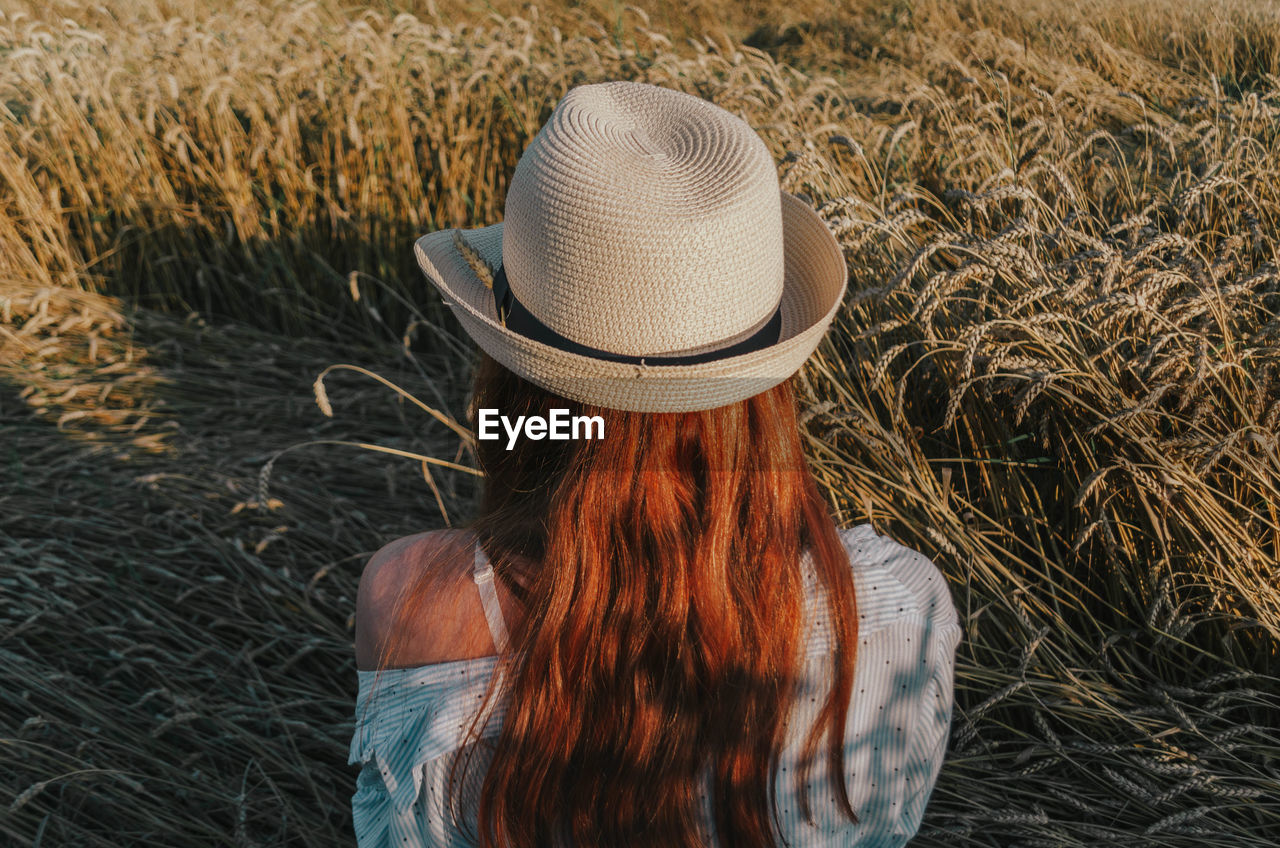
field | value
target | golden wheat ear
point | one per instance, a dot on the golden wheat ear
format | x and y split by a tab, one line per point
482	269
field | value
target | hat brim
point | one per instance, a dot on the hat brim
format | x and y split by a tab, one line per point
814	282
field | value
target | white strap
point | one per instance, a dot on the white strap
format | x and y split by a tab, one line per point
489	600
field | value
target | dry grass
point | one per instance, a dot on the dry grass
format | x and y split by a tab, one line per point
1055	374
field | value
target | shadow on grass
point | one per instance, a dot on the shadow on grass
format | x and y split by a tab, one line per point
177	655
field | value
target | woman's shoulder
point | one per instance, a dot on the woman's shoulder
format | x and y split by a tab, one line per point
417	604
893	579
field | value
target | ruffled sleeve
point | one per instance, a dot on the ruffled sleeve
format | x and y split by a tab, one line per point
931	722
405	719
896	729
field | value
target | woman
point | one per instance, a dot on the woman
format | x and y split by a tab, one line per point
653	635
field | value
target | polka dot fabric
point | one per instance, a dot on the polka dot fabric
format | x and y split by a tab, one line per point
411	723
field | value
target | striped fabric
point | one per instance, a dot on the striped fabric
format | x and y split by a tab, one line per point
411	722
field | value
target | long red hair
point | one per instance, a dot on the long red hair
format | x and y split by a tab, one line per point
662	628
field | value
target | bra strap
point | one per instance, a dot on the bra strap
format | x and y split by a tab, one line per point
489	600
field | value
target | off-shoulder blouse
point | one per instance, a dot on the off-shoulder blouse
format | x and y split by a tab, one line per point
412	722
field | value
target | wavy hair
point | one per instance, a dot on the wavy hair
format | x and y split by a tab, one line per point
662	636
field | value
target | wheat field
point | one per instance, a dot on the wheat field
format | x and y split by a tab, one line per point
1055	373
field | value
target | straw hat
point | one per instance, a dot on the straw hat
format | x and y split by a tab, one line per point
647	260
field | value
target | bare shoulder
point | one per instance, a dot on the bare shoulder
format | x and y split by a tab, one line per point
416	603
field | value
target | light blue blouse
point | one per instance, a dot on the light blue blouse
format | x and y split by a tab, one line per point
412	722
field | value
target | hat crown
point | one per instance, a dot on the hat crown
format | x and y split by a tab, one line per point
645	221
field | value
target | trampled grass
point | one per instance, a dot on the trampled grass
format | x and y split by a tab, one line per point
1055	374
